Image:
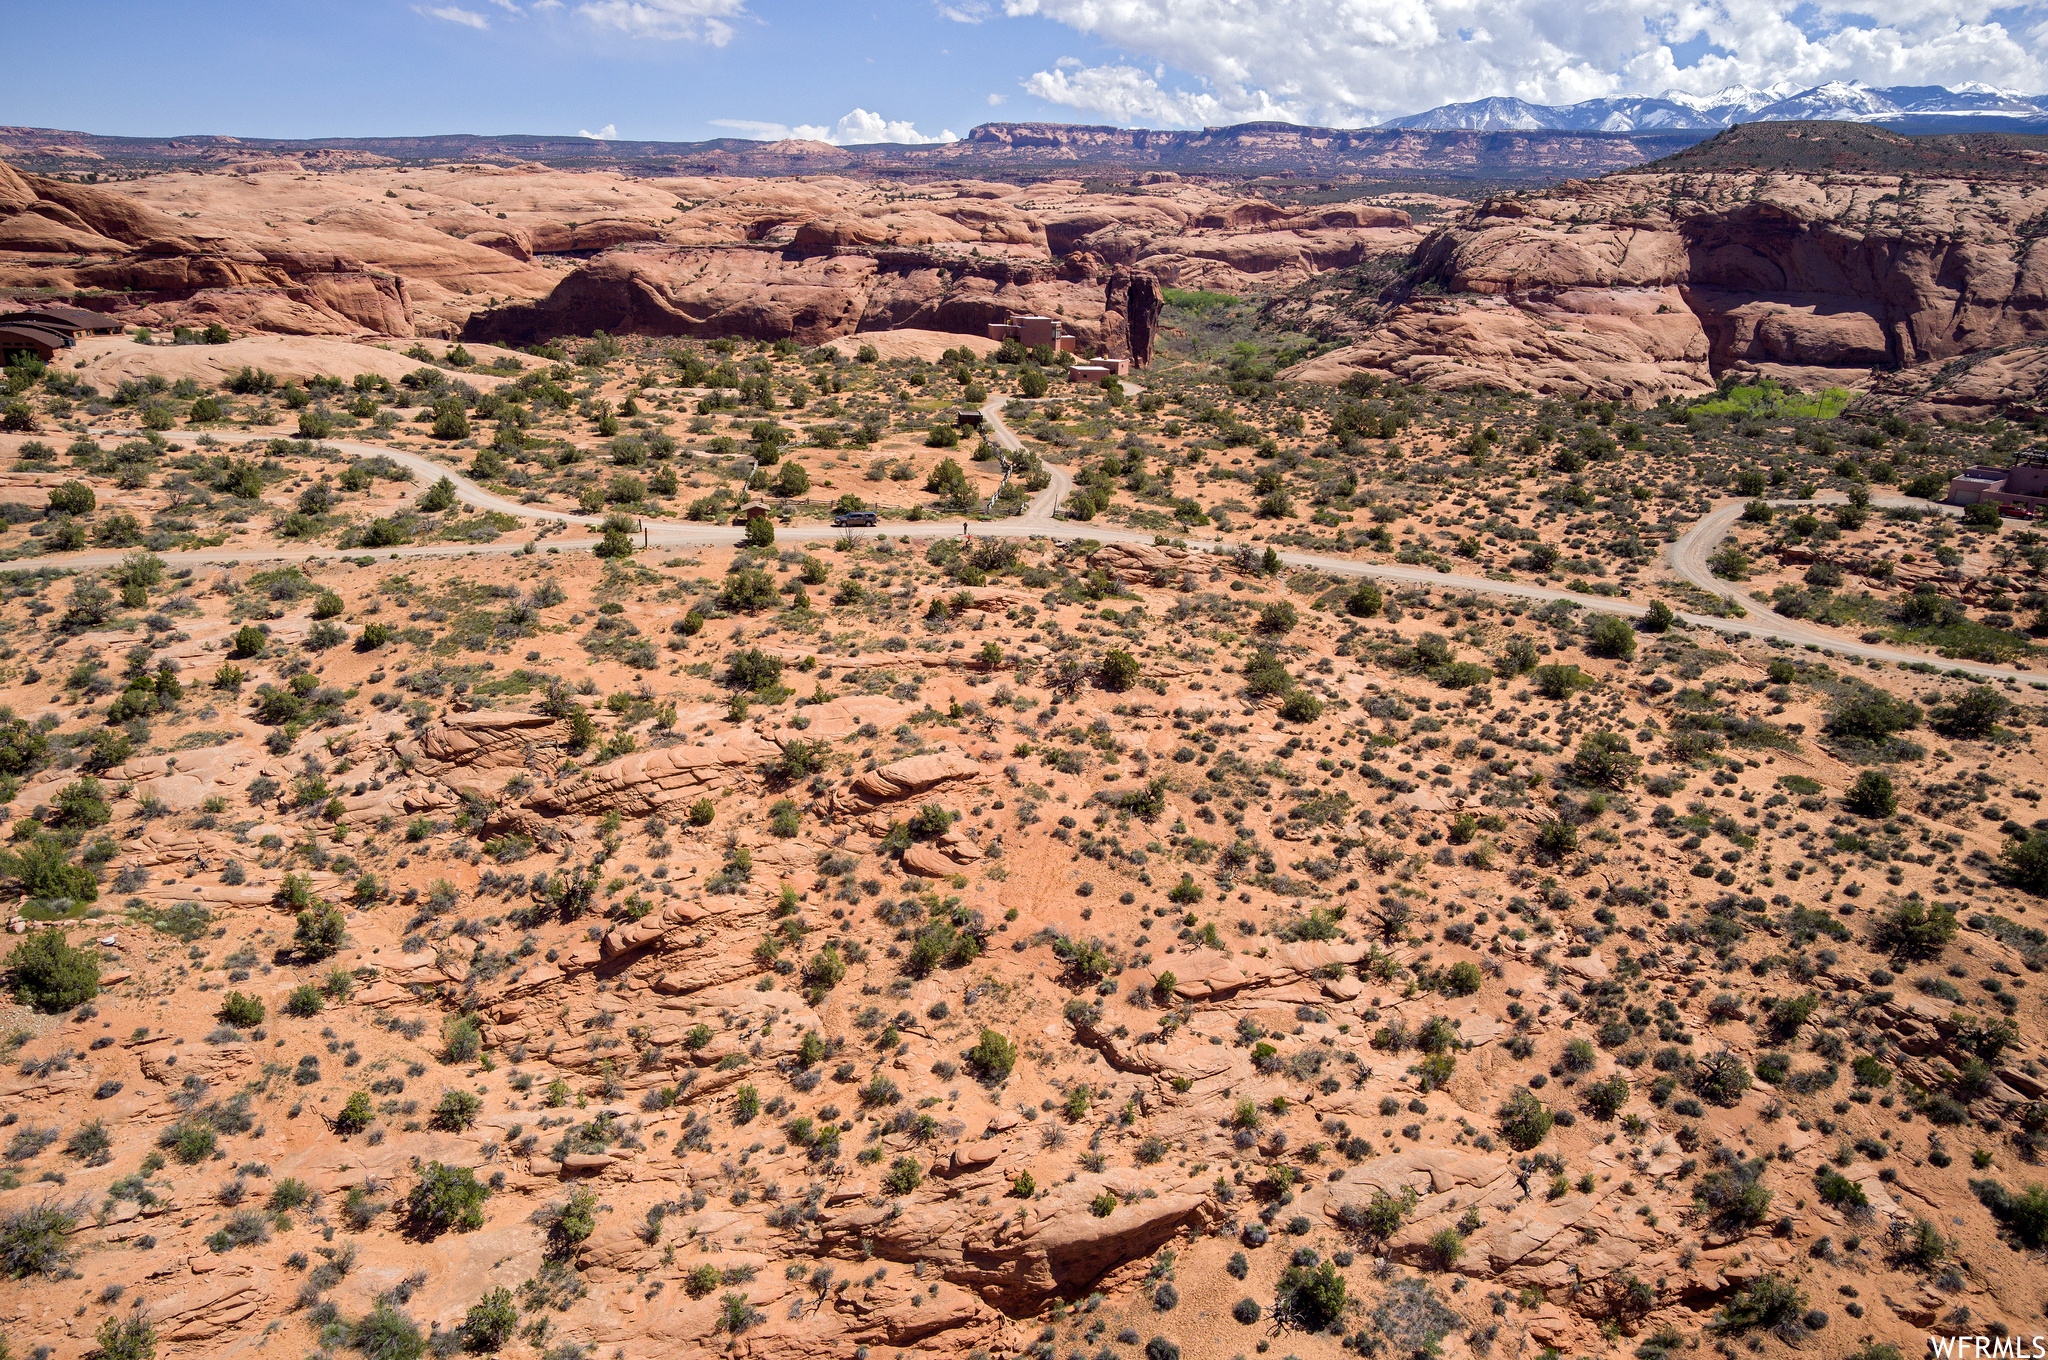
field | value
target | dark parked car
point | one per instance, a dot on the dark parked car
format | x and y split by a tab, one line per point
855	519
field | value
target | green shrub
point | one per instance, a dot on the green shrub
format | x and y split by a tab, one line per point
1606	1097
246	1228
1721	1077
1556	838
43	867
241	1011
32	1240
1606	758
73	498
1767	1301
1301	706
904	1175
305	1002
571	1222
320	930
1382	1217
385	1333
1118	671
446	1198
489	1323
461	1039
827	968
129	1338
1312	1297
2025	861
1915	930
993	1056
1445	1247
1840	1191
1610	636
1872	795
1524	1120
355	1115
457	1110
50	975
2024	1215
91	1144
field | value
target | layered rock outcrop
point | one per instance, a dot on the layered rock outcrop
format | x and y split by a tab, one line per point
812	298
131	248
1649	284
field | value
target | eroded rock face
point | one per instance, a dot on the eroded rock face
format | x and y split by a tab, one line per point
2012	382
659	290
1640	286
1013	1259
135	248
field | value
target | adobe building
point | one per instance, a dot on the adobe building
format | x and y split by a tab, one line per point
2025	483
1033	331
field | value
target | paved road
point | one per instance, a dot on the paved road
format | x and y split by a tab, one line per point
1687	557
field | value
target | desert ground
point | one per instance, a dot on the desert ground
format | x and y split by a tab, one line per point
1292	851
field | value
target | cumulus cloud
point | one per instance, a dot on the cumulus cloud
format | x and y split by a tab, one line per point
1126	94
856	128
1345	62
704	21
609	132
454	14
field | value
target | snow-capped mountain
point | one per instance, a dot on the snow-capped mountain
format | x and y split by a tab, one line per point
1849	101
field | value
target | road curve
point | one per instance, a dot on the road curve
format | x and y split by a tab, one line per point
1687	557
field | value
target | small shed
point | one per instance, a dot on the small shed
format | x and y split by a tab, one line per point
968	420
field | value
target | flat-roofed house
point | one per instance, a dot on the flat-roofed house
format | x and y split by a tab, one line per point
23	337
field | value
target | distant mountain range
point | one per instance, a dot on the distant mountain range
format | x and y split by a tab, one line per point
1674	110
1016	151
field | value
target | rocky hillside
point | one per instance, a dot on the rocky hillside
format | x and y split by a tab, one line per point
528	255
1655	282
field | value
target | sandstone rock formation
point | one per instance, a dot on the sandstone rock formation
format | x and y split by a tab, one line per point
524	254
130	247
817	297
1646	284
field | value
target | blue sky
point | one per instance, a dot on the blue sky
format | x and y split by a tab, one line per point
899	70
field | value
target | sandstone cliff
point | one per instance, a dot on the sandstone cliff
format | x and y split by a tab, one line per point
1646	284
766	294
124	246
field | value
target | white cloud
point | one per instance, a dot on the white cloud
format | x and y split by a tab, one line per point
862	126
454	14
1127	95
997	99
855	128
967	12
1346	62
609	132
702	21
